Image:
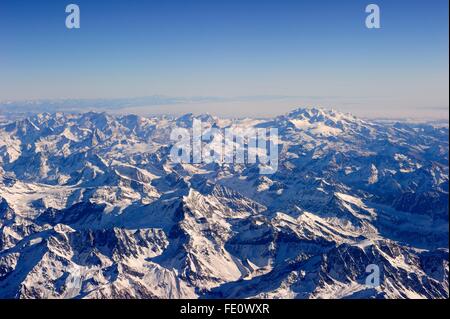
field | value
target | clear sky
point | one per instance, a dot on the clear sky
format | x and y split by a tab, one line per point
304	51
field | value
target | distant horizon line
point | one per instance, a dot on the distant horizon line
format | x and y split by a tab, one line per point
179	115
250	106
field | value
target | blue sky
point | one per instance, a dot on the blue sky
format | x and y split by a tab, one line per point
304	51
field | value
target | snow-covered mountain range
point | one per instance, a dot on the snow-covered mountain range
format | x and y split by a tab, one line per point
91	206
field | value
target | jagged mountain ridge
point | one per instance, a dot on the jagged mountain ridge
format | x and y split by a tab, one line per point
95	199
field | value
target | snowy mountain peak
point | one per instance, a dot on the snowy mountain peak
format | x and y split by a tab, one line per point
319	115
